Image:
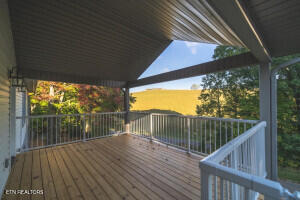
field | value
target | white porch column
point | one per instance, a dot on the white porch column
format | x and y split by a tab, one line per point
265	115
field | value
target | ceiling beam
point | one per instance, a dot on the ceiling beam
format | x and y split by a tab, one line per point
236	15
69	78
245	59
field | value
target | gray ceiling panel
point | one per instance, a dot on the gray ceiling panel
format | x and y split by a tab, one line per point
96	41
107	40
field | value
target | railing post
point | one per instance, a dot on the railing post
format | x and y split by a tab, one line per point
126	109
151	129
189	135
265	115
205	185
84	126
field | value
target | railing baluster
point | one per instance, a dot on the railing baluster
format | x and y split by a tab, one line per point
151	130
238	130
221	189
37	133
215	122
84	127
216	188
56	130
189	134
231	130
201	138
42	131
21	139
226	132
210	133
60	130
205	137
220	134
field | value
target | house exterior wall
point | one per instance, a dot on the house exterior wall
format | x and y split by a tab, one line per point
7	61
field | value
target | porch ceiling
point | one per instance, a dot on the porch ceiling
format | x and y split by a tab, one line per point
112	42
106	40
279	22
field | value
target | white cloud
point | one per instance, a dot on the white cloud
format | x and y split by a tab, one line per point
165	70
192	46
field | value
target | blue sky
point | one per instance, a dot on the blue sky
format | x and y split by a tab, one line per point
179	54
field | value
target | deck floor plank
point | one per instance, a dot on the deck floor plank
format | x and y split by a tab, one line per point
163	162
173	160
36	177
179	159
83	182
179	188
106	174
59	184
99	178
73	189
117	174
121	167
155	178
26	182
139	180
137	171
167	169
48	183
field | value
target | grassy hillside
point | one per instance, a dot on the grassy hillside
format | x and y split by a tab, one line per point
181	101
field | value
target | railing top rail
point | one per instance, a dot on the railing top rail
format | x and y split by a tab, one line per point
65	115
264	186
154	114
225	150
209	118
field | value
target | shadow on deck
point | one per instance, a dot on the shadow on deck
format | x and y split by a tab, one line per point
120	167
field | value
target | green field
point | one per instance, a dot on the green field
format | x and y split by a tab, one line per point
180	101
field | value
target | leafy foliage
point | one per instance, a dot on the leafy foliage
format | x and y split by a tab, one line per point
66	98
235	94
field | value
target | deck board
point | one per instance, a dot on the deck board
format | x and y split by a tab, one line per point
26	182
180	189
122	167
48	183
36	176
59	184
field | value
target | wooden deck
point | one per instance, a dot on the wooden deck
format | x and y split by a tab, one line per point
120	167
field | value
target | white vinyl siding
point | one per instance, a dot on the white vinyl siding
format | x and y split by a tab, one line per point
21	109
7	61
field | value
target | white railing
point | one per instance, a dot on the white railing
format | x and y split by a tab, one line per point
235	165
49	130
237	170
191	133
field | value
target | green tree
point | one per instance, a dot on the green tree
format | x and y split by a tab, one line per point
54	98
65	98
239	89
211	95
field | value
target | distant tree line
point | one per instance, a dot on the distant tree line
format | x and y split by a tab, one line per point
235	94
